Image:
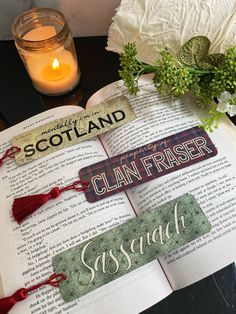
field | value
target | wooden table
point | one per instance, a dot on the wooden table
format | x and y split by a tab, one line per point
215	294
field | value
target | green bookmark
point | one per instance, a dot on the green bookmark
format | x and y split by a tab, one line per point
135	243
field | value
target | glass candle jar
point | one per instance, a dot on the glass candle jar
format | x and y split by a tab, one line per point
45	44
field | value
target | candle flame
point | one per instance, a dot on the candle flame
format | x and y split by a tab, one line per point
55	64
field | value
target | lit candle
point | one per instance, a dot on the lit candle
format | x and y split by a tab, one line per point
48	52
53	74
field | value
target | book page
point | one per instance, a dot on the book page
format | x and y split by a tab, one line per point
27	249
212	182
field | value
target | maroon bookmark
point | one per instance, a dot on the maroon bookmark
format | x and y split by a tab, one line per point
146	163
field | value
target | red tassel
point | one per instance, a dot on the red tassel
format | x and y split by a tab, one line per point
9	153
7	303
25	206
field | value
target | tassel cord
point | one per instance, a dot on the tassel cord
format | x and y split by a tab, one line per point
7	303
77	186
9	153
53	280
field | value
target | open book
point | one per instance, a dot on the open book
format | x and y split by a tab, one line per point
27	249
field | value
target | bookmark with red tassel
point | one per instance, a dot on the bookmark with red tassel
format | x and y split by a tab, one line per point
7	303
25	206
9	153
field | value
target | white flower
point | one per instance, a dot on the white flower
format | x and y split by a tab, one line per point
225	101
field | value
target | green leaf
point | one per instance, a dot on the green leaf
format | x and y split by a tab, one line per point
194	52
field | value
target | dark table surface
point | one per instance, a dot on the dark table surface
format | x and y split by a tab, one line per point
215	294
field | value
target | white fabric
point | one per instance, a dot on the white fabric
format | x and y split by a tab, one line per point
156	24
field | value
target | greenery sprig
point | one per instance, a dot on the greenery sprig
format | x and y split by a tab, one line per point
208	76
